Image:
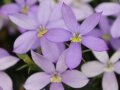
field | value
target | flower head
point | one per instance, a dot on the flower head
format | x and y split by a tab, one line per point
77	34
53	75
106	66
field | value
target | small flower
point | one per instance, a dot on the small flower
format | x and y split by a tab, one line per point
105	33
6	61
45	21
39	80
77	34
106	66
21	6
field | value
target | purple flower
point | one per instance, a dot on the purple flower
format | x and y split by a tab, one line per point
6	61
77	34
105	34
106	66
45	21
109	8
21	6
39	80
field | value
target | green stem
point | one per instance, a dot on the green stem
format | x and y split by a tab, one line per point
85	51
6	1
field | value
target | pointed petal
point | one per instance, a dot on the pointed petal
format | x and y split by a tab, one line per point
44	11
3	53
37	81
104	24
115	57
24	21
50	50
92	68
115	30
73	55
7	62
69	18
43	63
74	78
56	86
58	35
90	23
6	82
101	56
108	8
25	42
109	81
61	66
10	9
94	43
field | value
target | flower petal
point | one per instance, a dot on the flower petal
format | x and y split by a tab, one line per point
115	43
23	21
43	63
90	23
73	55
95	32
83	11
10	9
31	2
56	86
61	66
3	53
25	42
115	57
115	31
101	56
117	67
21	2
6	82
92	68
44	11
37	81
104	24
94	43
58	35
50	50
7	62
74	78
56	12
69	18
108	8
109	81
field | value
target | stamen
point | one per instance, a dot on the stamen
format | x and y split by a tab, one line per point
24	9
106	36
76	38
55	78
41	31
109	67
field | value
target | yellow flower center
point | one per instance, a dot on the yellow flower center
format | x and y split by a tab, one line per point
76	38
106	36
24	9
41	31
109	67
55	78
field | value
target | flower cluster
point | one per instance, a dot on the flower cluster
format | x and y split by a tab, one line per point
57	34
